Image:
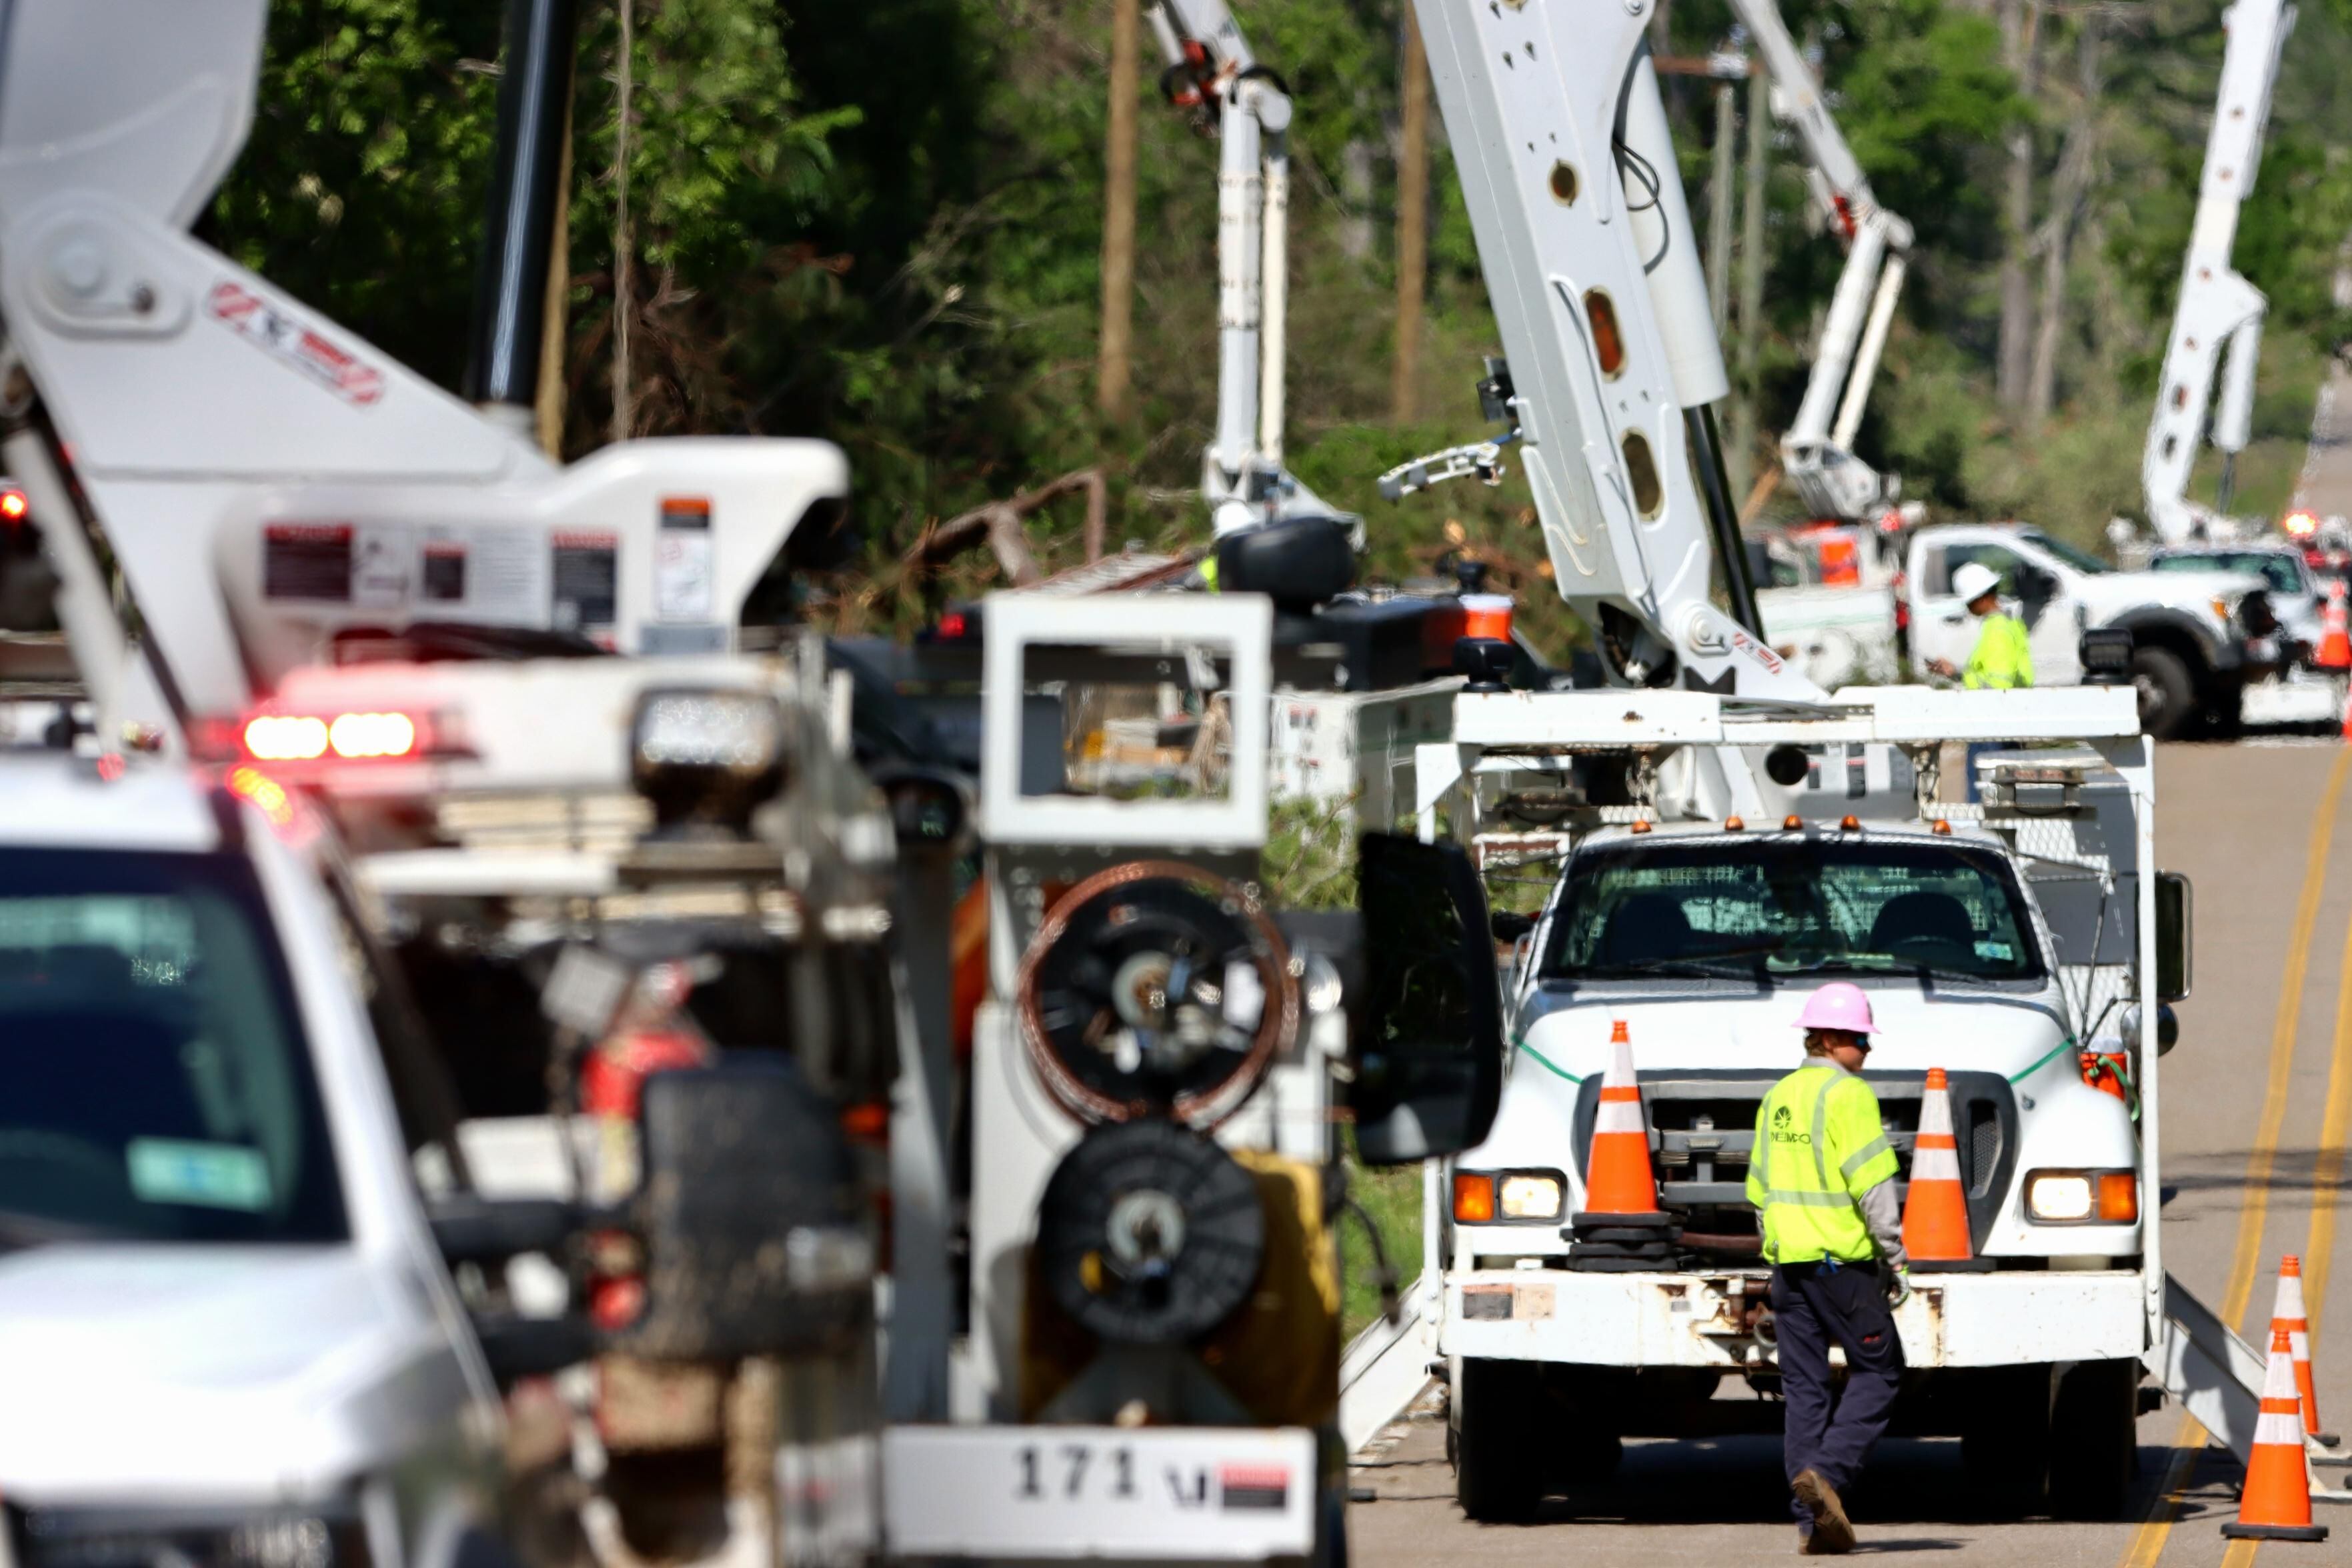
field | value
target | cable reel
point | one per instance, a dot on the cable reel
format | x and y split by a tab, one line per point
1149	1234
1156	989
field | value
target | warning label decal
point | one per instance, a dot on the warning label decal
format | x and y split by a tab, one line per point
328	364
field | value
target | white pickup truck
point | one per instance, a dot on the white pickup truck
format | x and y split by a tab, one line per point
2189	628
2199	637
231	1336
2012	945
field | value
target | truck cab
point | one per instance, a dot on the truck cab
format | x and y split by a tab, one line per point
231	1334
2189	628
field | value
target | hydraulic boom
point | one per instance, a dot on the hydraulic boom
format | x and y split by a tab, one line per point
1589	251
1248	107
1817	451
2218	305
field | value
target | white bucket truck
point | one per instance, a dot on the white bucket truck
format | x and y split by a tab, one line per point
1726	832
2012	944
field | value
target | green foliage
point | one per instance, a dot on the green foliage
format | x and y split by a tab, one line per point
882	224
1310	855
1391	1197
362	186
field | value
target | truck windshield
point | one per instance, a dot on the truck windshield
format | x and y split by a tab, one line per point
154	1082
2280	570
1771	910
2079	558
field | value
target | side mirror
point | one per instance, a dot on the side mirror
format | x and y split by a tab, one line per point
931	809
2173	914
1509	926
1428	1043
2168	1028
755	1240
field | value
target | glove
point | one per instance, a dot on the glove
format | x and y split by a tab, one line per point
1898	1287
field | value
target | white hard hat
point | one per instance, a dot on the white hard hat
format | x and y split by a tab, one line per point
1974	580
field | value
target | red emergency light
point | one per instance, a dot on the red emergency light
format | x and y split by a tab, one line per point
13	507
353	737
2302	525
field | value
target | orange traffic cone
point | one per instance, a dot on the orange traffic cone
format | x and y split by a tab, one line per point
1935	1215
2276	1503
2288	1316
2335	651
1617	1176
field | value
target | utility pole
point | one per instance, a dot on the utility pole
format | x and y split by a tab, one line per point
1114	372
1718	205
624	283
523	244
1751	286
1413	226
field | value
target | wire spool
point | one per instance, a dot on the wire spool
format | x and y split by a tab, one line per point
1149	1234
1155	988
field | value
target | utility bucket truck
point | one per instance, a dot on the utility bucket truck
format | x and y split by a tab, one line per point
2024	946
479	725
1146	1364
1722	833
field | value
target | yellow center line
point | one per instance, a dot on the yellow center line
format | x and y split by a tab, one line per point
2328	1169
2147	1542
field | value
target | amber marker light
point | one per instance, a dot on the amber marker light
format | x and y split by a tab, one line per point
1474	1198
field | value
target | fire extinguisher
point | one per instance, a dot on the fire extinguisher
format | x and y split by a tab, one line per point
653	1033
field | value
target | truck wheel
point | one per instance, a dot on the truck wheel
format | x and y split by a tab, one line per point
2166	697
2093	1439
1498	1472
2005	1442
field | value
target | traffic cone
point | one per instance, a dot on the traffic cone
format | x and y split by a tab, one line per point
2288	1315
2276	1503
1935	1215
1617	1176
2335	652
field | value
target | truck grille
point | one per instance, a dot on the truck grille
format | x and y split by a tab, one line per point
1702	1132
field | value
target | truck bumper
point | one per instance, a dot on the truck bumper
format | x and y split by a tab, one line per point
1144	1494
1704	1320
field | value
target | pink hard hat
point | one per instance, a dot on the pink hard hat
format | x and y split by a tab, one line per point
1838	1004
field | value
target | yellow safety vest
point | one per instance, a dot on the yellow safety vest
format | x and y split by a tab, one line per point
1820	1144
2003	659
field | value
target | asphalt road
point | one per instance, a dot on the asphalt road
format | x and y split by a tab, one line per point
2257	1100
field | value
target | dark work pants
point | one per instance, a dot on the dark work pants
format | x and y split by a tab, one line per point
1831	1432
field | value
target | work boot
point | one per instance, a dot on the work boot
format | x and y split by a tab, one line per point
1832	1534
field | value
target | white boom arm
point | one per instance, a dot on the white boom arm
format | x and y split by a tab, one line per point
2218	305
1210	64
1817	451
264	479
1587	245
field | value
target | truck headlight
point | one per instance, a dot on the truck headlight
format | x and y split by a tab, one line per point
1507	1197
2082	1197
1531	1195
129	1537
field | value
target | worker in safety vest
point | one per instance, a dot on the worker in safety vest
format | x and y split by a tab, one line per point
1822	1177
2002	660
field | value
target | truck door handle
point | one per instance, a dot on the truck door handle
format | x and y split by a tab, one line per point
1954	619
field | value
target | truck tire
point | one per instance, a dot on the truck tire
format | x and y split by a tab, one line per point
2095	1439
2168	699
1497	1468
2005	1442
